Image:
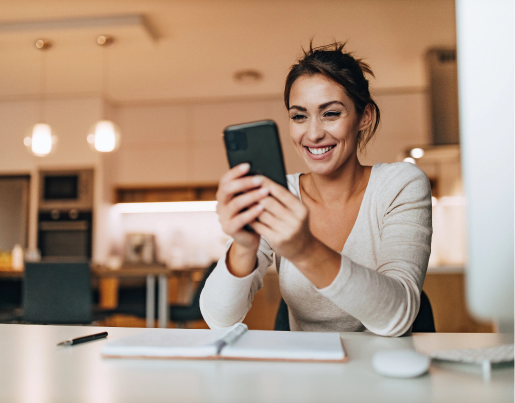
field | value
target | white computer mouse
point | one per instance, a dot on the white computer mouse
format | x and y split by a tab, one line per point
403	363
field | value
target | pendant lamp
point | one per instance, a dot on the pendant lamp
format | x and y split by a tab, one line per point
42	141
104	136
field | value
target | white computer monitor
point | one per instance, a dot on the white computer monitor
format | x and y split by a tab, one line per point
485	44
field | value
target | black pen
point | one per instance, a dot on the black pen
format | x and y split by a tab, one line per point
83	339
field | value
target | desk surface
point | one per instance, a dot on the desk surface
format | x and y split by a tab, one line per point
35	370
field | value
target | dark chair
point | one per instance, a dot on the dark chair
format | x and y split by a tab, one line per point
185	313
424	322
57	293
10	298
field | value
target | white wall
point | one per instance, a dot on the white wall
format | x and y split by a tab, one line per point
70	118
179	143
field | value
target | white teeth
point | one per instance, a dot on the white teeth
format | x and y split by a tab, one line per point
318	151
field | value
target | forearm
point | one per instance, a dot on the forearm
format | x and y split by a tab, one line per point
226	298
241	261
385	303
315	256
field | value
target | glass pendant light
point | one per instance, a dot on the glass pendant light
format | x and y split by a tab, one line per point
42	141
104	136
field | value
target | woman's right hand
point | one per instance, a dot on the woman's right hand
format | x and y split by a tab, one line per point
237	192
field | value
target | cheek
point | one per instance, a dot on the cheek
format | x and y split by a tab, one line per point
295	133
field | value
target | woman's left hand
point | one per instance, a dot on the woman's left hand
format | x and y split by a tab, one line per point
284	222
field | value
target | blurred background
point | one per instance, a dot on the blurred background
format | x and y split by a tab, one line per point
175	74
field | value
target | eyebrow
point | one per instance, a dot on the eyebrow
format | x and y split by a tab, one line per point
323	106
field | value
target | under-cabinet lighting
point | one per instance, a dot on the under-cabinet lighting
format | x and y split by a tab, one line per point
166	207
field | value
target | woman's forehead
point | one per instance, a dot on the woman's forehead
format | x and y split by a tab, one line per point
316	88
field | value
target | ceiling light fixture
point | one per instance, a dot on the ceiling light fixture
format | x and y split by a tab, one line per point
105	134
248	76
42	141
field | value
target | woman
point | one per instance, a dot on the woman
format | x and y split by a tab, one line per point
352	242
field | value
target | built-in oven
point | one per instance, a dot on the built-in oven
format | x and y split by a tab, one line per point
65	213
65	233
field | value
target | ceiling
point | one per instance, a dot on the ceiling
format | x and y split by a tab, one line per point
202	43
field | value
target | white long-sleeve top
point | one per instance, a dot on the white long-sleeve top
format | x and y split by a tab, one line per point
383	265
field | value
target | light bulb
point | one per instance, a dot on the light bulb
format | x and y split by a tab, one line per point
417	153
42	141
104	136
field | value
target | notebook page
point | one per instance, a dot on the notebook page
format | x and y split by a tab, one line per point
166	343
262	344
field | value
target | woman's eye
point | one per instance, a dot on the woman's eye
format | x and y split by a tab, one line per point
297	117
332	114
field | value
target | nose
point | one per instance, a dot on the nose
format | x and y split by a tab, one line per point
315	130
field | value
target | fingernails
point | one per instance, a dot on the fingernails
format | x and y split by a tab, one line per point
260	207
264	191
244	167
257	180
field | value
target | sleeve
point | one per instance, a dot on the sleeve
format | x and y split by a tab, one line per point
386	300
226	299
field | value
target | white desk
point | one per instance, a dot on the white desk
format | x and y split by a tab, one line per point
34	370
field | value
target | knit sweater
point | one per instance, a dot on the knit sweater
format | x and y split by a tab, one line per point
382	270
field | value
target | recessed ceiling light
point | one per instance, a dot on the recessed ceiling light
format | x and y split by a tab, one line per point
248	76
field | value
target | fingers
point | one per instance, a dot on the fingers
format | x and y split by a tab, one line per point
238	222
285	197
244	200
234	182
262	230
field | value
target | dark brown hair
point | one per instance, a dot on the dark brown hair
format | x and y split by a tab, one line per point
340	66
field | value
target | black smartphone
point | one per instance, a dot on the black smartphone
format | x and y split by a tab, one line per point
258	144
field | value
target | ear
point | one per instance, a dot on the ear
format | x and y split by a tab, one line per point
366	118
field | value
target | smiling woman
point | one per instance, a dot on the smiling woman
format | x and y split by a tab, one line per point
352	242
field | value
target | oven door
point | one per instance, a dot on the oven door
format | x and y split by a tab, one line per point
65	239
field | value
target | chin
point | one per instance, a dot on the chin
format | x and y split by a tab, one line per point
320	168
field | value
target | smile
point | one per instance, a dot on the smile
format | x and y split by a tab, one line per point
320	150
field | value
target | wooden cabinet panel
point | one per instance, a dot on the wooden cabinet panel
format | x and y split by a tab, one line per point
166	193
447	295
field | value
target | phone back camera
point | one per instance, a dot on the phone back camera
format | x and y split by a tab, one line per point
236	140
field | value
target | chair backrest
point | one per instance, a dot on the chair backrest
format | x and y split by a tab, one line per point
195	301
57	292
424	322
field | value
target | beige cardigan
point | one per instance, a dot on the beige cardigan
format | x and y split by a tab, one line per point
383	266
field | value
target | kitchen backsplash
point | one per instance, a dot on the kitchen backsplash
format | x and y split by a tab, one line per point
181	239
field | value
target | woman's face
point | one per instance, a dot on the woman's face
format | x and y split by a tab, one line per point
324	123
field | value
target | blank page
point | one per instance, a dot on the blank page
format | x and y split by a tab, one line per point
166	343
261	344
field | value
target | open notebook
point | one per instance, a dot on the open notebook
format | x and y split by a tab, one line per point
235	343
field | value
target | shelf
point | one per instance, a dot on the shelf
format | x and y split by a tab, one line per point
173	193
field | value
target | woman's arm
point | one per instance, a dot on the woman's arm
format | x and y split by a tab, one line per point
228	293
226	298
386	298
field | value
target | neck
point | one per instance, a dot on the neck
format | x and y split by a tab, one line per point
348	181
